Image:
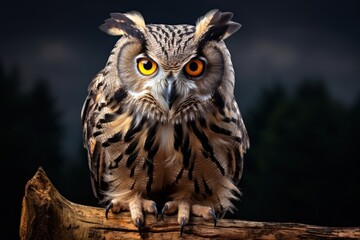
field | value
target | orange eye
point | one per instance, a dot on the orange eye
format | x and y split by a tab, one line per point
195	67
146	66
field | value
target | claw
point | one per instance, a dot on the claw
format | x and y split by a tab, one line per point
182	224
164	209
155	210
213	214
108	207
139	226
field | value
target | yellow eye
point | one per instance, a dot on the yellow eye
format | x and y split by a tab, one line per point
195	67
146	66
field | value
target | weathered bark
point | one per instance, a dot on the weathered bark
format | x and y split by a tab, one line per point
46	214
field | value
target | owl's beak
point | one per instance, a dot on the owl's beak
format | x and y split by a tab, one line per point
170	94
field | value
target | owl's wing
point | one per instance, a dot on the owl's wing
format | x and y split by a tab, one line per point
242	143
89	115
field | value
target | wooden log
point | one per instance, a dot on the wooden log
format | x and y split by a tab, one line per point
46	214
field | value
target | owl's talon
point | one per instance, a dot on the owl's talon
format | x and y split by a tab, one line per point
155	210
163	211
182	224
139	227
108	207
213	214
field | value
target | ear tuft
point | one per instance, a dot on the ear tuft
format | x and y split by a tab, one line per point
137	18
215	25
204	22
130	24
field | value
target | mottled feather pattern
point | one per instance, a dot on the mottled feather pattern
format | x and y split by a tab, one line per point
140	146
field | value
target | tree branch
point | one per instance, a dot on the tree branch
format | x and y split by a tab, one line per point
46	214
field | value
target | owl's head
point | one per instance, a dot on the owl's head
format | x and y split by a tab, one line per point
174	70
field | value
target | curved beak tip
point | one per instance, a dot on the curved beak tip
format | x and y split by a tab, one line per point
170	91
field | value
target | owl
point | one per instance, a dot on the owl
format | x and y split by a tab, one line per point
161	124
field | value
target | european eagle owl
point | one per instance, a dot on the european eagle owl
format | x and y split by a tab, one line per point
161	124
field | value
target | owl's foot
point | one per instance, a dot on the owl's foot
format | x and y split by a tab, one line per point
136	207
185	208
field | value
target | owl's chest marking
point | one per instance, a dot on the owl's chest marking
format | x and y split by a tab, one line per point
148	155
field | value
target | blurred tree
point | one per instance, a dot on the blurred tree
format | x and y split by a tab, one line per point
351	164
44	129
297	169
256	121
77	185
30	137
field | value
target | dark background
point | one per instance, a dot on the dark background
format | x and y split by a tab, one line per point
297	67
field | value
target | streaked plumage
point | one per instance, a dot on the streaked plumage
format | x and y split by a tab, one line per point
169	137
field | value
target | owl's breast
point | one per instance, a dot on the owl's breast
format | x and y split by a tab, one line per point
167	161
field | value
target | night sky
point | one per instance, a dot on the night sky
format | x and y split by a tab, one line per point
280	41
